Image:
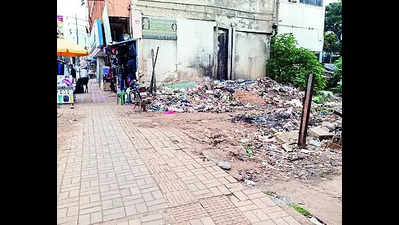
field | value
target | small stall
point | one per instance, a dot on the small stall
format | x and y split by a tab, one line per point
65	89
119	57
65	86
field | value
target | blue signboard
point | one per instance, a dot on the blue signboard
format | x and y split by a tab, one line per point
96	37
100	33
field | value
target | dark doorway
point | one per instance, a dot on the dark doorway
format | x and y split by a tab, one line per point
221	73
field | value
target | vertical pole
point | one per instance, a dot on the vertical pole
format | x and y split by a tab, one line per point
306	112
153	71
152	75
76	23
216	50
229	52
233	50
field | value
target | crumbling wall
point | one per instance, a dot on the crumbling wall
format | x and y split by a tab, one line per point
165	67
195	50
195	45
250	55
247	14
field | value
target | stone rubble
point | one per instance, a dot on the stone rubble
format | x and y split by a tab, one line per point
275	110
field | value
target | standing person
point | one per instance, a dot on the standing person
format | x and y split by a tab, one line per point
73	73
131	64
84	74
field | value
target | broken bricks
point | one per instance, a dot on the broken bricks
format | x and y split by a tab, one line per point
320	132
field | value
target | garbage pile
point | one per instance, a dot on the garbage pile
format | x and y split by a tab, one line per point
272	112
279	120
208	96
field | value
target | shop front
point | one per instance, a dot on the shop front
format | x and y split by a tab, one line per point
120	52
97	44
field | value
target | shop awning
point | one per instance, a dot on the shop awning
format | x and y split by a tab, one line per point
69	49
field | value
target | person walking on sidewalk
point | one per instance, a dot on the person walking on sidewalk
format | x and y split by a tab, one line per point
84	74
73	73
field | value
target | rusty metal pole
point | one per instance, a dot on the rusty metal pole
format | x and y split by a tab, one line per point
307	100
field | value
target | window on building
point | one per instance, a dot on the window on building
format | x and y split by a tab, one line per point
312	2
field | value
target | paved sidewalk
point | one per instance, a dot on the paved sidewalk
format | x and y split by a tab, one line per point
111	172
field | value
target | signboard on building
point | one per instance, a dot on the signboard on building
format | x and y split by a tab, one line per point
157	28
96	37
136	24
107	26
60	27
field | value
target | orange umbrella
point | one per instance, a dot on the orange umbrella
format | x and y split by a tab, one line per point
70	49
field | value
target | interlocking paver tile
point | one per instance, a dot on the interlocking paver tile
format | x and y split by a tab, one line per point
112	171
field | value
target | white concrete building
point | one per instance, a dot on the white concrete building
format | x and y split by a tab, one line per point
76	28
304	19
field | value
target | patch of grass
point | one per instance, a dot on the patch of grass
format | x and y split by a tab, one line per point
301	210
249	151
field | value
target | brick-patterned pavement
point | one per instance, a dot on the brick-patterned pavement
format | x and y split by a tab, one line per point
111	172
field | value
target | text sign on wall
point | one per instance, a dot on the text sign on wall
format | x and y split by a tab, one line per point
156	28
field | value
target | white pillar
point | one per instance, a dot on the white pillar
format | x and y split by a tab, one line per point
99	73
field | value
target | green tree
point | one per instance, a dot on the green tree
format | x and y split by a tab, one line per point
290	64
335	83
331	44
333	19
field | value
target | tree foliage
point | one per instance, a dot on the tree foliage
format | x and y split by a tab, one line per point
335	83
333	19
331	43
290	64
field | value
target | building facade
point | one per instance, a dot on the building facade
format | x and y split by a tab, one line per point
305	20
196	38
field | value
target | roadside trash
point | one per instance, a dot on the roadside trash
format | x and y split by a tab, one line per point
320	132
270	112
315	143
306	151
250	182
244	140
170	112
286	147
316	221
224	165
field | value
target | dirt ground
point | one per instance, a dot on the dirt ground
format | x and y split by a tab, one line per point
219	139
67	119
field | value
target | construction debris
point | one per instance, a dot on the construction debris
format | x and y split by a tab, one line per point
275	111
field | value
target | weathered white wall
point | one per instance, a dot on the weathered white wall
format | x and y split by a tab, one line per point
250	55
195	48
166	62
305	21
248	14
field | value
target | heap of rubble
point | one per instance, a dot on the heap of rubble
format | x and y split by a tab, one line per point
275	110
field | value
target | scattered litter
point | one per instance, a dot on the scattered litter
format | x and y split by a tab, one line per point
320	132
315	143
287	148
170	112
274	111
250	182
224	165
306	151
316	221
